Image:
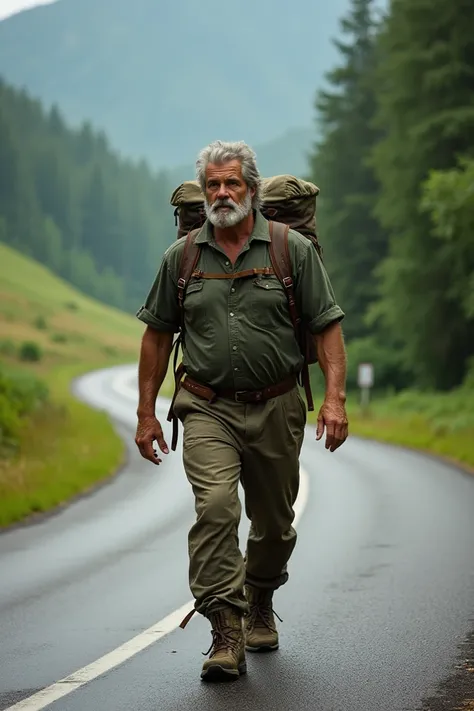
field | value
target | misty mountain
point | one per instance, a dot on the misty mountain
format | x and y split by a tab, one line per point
287	153
165	78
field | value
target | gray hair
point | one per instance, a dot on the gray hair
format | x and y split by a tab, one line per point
220	152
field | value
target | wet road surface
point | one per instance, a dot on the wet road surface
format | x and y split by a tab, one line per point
380	596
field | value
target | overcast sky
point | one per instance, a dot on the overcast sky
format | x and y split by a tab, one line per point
9	7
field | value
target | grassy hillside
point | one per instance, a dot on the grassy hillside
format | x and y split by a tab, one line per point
68	326
50	333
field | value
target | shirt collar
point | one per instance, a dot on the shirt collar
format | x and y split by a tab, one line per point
260	230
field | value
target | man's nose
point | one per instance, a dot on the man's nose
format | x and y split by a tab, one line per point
222	192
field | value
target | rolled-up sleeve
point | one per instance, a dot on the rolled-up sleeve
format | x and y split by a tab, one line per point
161	309
314	294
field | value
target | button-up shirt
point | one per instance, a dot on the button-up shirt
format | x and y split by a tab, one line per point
238	333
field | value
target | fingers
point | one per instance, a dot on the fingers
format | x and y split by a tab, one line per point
339	432
147	451
336	431
320	427
330	434
161	441
147	433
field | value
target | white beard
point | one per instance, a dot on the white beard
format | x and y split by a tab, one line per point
236	213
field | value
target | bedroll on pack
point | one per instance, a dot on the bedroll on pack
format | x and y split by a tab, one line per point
284	198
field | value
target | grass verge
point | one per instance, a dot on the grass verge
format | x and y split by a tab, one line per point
436	423
64	449
54	333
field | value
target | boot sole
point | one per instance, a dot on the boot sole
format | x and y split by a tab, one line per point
262	648
217	673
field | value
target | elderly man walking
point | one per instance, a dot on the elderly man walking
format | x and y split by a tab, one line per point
242	412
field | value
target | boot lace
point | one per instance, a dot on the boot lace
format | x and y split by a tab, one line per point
260	615
223	638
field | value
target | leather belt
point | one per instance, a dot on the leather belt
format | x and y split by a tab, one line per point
242	396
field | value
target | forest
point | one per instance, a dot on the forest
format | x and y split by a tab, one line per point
71	202
394	159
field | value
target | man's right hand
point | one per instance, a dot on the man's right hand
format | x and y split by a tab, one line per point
149	430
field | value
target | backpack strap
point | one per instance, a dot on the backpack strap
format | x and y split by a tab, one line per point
189	260
281	262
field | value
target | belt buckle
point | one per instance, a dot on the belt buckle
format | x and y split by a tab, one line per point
251	397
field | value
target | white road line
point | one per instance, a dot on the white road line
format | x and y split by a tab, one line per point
145	639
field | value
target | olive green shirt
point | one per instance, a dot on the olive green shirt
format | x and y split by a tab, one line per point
238	333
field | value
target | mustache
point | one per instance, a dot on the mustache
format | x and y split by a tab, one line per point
223	203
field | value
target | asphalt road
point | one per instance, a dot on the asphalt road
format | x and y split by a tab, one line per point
380	596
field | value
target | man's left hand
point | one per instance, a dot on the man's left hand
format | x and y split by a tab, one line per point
332	417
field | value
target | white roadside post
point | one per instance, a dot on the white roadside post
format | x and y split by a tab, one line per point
365	380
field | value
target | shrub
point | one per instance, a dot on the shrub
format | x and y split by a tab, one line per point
40	323
20	394
110	351
59	338
30	351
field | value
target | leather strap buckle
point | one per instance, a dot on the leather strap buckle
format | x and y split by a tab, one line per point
244	396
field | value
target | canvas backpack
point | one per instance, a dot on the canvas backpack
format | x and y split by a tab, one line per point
286	202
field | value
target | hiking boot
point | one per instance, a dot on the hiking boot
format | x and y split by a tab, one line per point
261	634
227	653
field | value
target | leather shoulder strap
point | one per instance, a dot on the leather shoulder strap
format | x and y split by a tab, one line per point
189	261
279	251
281	263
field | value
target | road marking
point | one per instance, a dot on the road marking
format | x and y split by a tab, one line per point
137	644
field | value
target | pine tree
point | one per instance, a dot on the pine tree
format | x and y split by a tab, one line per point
352	239
426	111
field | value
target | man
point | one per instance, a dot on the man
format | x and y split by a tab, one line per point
239	340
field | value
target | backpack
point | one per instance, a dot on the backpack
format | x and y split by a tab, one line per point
287	202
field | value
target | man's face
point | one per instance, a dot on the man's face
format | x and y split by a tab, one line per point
228	198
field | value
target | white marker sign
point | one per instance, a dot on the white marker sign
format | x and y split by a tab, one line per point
365	375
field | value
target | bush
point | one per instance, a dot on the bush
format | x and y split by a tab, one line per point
72	306
30	351
110	351
59	338
20	394
40	323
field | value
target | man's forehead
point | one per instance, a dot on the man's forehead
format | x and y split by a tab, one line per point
231	167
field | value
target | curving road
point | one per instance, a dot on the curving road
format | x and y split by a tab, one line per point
380	595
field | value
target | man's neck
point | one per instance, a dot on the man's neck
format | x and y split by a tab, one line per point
236	234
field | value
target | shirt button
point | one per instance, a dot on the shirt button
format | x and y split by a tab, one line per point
227	264
232	290
235	368
266	286
234	348
231	314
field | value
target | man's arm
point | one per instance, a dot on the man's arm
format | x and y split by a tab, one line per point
153	365
332	361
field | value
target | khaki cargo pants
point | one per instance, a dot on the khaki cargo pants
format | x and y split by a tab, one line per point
225	442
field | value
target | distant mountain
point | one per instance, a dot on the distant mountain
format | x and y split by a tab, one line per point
164	78
286	154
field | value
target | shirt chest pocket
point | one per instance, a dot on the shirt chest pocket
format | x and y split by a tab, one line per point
194	304
268	304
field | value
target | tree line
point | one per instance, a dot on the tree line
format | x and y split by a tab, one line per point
396	171
70	202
